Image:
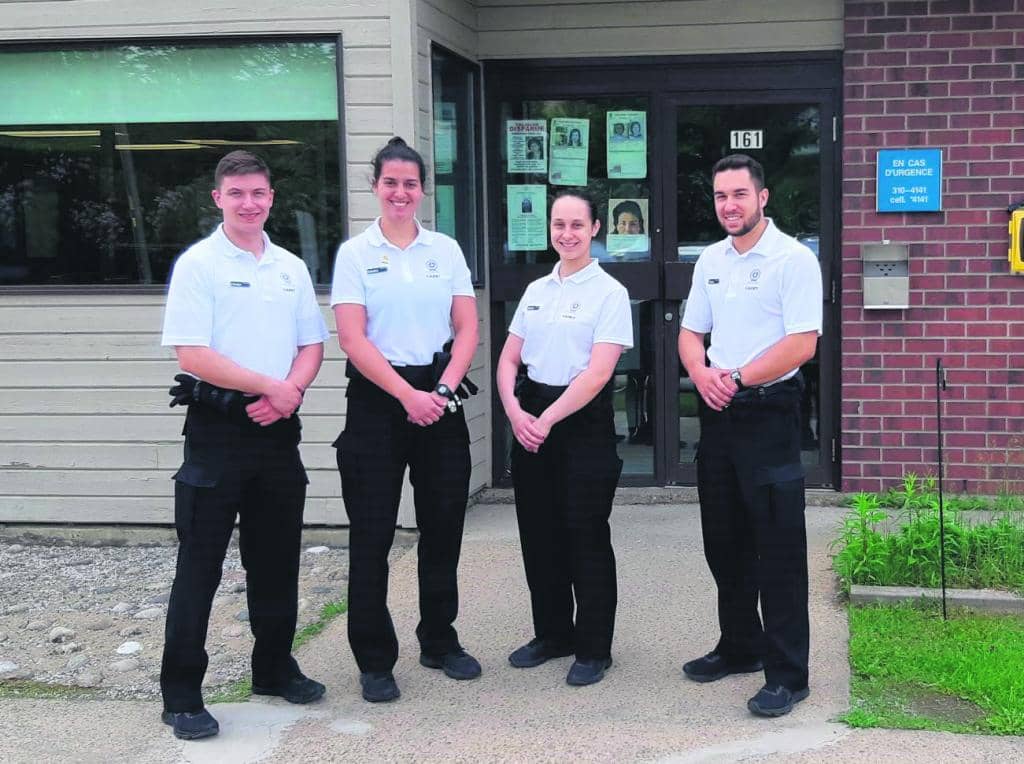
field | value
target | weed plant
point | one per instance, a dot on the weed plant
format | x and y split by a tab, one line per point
917	493
902	547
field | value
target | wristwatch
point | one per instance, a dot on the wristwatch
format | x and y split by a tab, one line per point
736	377
444	391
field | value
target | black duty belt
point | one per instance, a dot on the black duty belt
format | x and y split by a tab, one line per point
548	393
794	384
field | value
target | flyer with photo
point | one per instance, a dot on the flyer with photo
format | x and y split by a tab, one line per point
527	217
445	137
626	133
627	237
527	145
570	151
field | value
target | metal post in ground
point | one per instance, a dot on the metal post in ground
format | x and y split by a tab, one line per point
940	385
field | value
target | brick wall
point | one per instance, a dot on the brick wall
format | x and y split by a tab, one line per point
945	74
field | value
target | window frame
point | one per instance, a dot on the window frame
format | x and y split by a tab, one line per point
89	43
476	260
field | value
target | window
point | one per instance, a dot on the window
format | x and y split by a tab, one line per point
107	154
458	202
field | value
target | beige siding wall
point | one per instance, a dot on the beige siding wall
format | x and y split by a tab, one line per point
564	28
85	431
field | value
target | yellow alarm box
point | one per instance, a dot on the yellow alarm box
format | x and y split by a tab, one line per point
1017	241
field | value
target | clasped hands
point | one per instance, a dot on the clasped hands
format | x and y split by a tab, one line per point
530	431
715	386
280	403
423	408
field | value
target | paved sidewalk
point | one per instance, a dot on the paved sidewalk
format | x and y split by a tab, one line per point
643	711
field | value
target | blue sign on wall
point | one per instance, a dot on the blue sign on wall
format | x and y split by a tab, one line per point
910	180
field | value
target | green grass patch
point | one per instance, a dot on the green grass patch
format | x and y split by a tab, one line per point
880	549
26	688
912	670
240	691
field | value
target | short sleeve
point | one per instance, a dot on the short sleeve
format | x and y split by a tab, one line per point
697	313
518	325
310	327
801	293
188	316
347	283
462	279
615	323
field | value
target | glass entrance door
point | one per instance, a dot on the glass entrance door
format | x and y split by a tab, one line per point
785	136
642	137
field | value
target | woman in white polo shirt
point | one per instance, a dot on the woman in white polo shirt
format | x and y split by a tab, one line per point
399	293
569	330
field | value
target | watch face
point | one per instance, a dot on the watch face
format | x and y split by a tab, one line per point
442	389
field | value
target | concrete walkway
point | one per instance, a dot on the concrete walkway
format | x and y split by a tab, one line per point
643	711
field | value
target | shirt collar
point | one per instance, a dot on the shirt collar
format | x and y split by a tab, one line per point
766	246
230	249
378	239
584	274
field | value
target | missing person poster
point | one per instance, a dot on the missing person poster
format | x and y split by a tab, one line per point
527	145
626	133
445	137
627	229
570	151
527	217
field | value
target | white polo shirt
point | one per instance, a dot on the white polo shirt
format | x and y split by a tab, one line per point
751	301
559	320
257	312
407	292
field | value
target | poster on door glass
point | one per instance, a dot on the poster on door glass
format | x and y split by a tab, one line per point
527	217
445	137
527	141
626	133
627	229
570	151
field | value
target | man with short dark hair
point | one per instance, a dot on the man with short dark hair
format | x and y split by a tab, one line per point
243	319
758	293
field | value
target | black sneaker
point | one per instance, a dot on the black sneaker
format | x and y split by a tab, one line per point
587	672
776	700
712	667
379	686
298	689
538	651
458	664
191	726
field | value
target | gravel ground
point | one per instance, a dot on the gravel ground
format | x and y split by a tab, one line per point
93	616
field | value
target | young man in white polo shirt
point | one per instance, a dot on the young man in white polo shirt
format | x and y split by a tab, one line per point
243	319
759	294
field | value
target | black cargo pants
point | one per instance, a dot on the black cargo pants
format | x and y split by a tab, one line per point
564	496
751	486
256	475
373	451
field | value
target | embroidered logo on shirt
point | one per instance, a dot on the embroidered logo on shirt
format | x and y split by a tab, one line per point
240	284
574	307
755	274
432	270
286	283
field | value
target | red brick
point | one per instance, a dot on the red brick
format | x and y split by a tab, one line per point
992	71
865	9
992	103
968	184
854	26
907	41
972	56
986	330
886	58
886	24
927	121
1013	151
908	73
949	6
930	24
1010	21
1011	119
865	107
993	6
865	42
970	87
945	233
974	22
953	40
919	8
948	105
976	121
911	138
886	90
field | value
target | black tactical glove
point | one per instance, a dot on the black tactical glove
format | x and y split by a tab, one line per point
229	402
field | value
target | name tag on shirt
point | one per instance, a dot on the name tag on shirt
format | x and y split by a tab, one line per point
712	281
240	284
378	269
533	307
